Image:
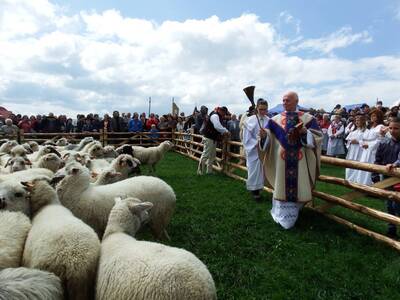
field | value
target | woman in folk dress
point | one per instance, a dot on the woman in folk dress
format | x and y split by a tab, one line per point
335	134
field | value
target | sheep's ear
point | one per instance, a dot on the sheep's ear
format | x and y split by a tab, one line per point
114	174
8	162
138	208
66	156
94	174
136	161
28	162
28	185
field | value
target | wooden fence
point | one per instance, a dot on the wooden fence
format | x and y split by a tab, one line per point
232	163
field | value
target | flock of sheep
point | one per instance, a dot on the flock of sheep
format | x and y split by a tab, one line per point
68	218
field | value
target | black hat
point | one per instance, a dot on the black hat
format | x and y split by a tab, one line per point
224	109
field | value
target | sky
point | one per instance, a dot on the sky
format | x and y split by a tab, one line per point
70	57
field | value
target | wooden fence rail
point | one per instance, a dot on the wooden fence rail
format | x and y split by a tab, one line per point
233	165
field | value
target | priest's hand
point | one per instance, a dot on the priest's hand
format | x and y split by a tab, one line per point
365	146
263	133
354	141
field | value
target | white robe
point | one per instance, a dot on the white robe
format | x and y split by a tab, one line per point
255	173
372	138
354	152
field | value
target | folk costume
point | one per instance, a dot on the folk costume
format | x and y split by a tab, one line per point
335	142
213	131
291	167
255	173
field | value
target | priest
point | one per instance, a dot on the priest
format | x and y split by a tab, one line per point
290	145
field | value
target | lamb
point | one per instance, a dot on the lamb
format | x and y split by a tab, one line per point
151	156
18	150
124	164
14	228
42	151
59	242
17	163
29	284
109	152
14	197
107	177
27	175
50	161
62	142
7	146
132	269
92	204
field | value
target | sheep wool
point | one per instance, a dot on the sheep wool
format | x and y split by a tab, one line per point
14	228
92	203
151	156
132	269
29	284
60	243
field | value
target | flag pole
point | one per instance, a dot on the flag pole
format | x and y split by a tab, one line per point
149	105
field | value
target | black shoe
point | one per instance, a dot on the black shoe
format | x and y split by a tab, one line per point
256	195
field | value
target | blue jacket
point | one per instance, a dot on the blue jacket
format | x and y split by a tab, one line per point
135	125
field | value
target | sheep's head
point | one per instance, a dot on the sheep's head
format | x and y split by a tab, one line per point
109	151
18	150
168	145
40	193
125	149
52	162
50	149
128	215
14	197
18	164
96	151
28	148
73	175
127	162
62	142
7	146
34	146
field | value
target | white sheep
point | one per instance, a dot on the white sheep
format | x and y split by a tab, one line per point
81	144
17	163
151	156
7	146
13	196
34	145
107	177
49	161
29	284
124	164
92	204
18	150
27	175
14	228
132	269
43	151
62	142
59	242
110	153
28	148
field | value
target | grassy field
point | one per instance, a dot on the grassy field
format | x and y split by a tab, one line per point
251	257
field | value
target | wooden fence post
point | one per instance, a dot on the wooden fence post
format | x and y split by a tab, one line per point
20	136
105	137
102	137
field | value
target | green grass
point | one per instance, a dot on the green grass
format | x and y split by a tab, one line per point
251	257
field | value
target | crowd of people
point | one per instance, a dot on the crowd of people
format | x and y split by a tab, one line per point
365	134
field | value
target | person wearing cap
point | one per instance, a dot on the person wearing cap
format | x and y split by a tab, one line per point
212	132
290	150
251	133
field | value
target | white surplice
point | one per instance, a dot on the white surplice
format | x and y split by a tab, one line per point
354	151
372	138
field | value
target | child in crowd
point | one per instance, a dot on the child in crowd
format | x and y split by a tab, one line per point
387	155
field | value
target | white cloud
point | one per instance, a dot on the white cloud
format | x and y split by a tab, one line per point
342	38
287	18
101	61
